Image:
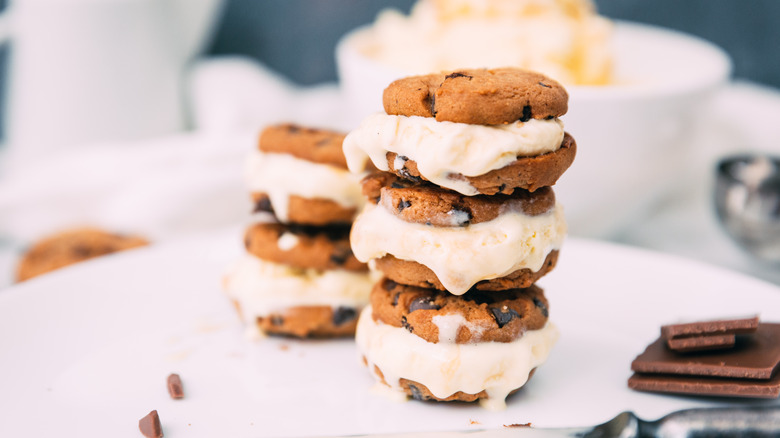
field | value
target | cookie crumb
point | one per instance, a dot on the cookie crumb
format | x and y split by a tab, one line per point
518	425
474	422
175	388
150	425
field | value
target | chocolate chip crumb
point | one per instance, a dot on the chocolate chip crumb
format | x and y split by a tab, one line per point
404	172
333	233
263	205
543	307
277	320
501	188
343	314
404	204
458	74
478	296
389	285
395	298
175	388
423	303
544	85
504	315
339	257
433	105
526	114
416	394
80	251
461	215
406	325
150	425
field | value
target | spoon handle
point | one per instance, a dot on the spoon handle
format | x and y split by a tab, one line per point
716	422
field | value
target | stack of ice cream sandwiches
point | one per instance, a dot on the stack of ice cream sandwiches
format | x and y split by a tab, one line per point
462	222
299	276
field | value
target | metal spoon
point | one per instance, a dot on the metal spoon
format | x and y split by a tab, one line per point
747	201
725	422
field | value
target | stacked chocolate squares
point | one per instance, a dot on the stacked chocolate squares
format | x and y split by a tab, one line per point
299	276
462	222
728	358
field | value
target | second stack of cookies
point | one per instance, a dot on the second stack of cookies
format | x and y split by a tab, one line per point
462	223
299	276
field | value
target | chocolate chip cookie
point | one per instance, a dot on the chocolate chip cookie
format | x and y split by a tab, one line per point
303	247
310	322
477	96
425	203
72	246
481	316
416	274
310	144
307	211
418	391
528	173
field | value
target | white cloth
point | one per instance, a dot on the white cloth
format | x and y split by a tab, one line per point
161	188
164	187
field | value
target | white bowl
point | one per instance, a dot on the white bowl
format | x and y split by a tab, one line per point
633	138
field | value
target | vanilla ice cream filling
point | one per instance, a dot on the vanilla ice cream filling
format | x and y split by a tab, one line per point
283	175
441	149
461	256
262	288
498	368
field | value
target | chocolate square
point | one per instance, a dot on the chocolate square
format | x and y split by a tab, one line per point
753	357
712	386
702	343
707	335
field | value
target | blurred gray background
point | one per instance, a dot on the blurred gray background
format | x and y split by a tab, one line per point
297	37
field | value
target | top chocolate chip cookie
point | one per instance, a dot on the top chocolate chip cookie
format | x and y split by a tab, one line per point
315	145
477	96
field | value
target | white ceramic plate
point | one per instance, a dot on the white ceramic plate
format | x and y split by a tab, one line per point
85	351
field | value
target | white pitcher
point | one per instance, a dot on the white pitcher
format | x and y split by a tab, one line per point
84	71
